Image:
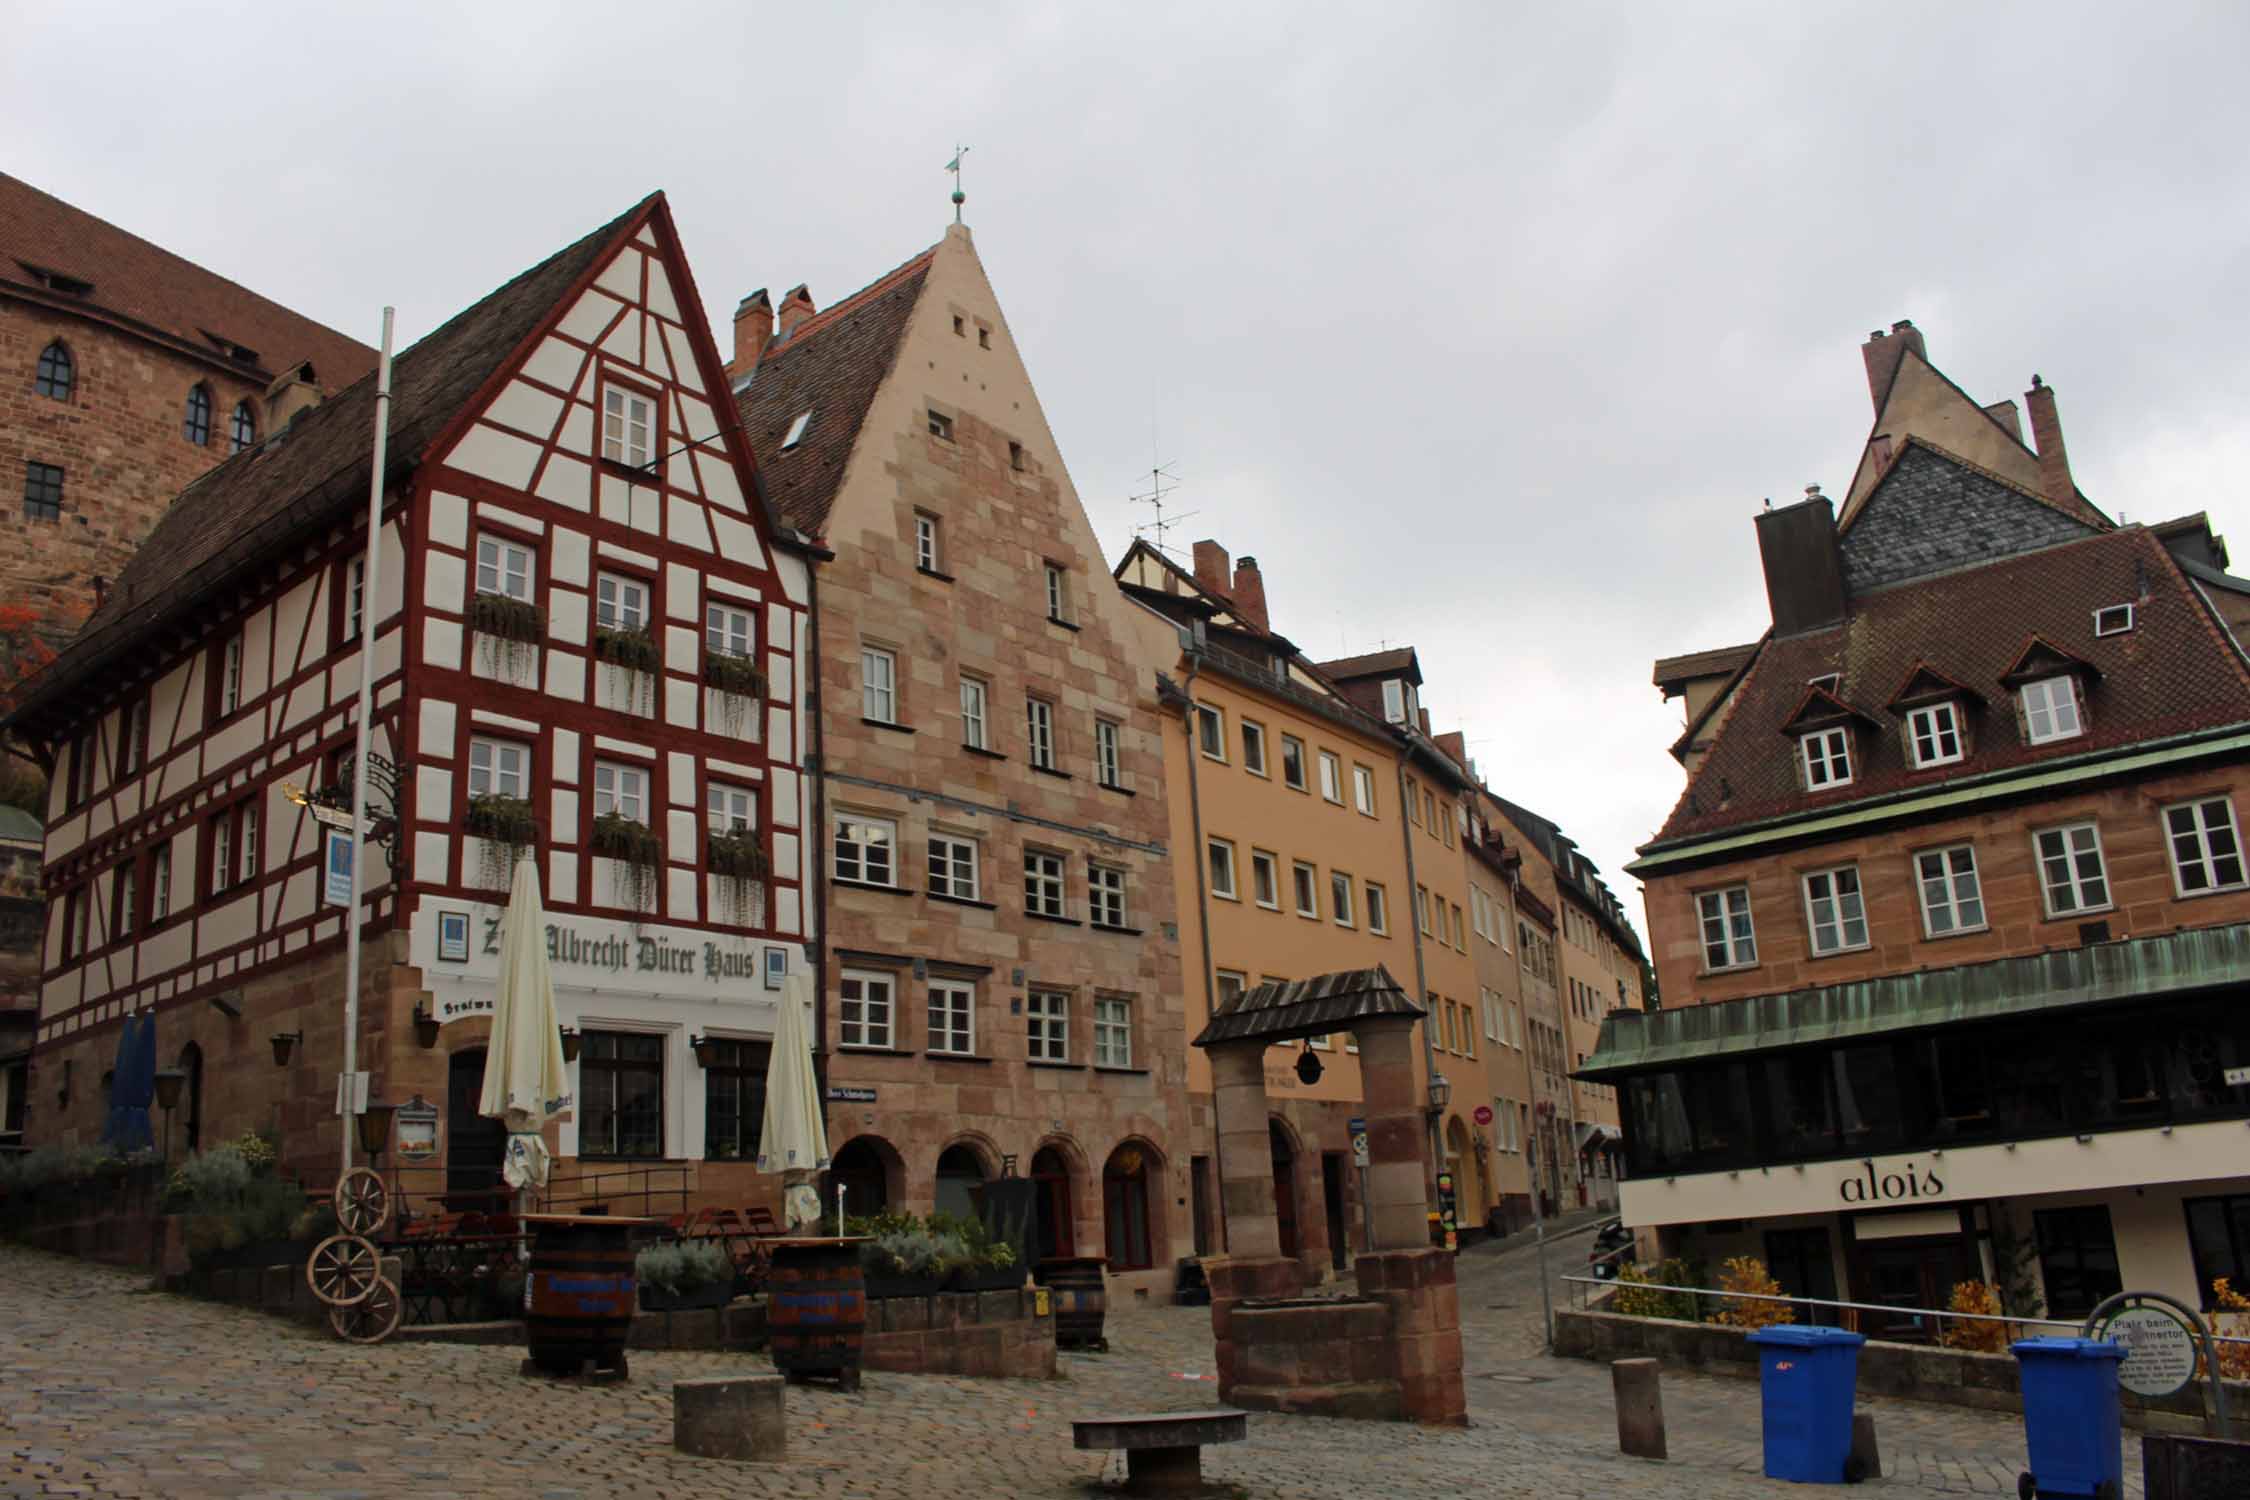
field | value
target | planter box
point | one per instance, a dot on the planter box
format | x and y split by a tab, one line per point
880	1285
997	1279
261	1253
717	1294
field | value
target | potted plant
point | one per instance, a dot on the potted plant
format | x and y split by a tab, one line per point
508	632
903	1263
507	826
634	845
738	858
635	653
685	1275
976	1259
739	684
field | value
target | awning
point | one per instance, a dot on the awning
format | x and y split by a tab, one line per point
1591	1135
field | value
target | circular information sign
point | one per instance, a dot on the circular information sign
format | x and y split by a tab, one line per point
1483	1115
2159	1349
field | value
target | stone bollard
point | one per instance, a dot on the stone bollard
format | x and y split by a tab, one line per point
1640	1407
1865	1455
733	1416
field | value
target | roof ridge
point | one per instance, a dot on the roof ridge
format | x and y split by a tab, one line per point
836	310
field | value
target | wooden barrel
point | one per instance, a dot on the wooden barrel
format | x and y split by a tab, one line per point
581	1293
1080	1297
816	1309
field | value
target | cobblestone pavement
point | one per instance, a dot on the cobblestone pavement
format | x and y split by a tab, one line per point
107	1389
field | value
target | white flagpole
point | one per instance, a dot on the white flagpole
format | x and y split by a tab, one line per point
371	593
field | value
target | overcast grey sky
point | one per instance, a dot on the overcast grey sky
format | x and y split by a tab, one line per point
1485	328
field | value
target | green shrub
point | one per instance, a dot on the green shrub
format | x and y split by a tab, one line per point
210	1181
1632	1301
684	1266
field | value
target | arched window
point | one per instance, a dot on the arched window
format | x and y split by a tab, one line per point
197	428
959	1174
245	429
56	372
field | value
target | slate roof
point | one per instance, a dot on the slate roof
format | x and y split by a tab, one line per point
154	291
2174	673
830	366
296	484
1934	510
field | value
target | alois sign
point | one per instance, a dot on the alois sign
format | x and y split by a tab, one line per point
1889	1182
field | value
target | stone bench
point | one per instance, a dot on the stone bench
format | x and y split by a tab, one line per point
732	1416
1163	1449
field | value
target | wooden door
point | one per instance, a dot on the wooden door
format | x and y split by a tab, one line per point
474	1144
1284	1189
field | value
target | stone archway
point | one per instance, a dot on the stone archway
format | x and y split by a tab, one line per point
1054	1229
871	1173
1132	1205
961	1169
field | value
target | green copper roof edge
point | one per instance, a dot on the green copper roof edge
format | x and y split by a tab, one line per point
1960	793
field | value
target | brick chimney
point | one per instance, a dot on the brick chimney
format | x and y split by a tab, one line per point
1211	568
795	308
1249	592
2047	441
291	395
1883	352
753	330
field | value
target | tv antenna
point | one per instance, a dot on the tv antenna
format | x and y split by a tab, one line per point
1161	483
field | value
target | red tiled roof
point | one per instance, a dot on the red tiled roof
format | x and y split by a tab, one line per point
2173	673
150	287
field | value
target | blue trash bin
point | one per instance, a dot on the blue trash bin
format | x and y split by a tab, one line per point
1806	1379
2071	1421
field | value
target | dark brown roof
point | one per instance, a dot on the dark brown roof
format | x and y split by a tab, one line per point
1719	661
2173	673
297	483
1374	664
155	291
1283	1010
830	366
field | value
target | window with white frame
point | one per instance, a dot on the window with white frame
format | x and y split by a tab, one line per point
953	867
866	849
864	1016
620	603
160	883
1220	852
355	597
503	567
1293	762
1047	1028
1113	1032
729	808
1394	700
1835	910
926	542
222	852
1363	788
728	631
246	859
230	676
1230	984
1827	758
1039	729
1422	910
628	426
2070	869
1729	941
975	711
1253	747
953	1012
135	749
1378	910
1105	887
1331	777
499	768
2050	709
1306	882
1952	899
1210	732
1340	897
2206	854
1265	879
1058	592
1934	732
878	685
1109	764
1043	886
620	789
2113	619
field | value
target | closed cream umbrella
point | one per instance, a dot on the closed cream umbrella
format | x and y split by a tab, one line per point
794	1137
525	1084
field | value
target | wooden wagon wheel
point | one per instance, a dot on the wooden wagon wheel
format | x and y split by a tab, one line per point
370	1321
363	1202
343	1269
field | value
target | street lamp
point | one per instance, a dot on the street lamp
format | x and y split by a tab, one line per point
570	1043
169	1082
375	1128
284	1043
425	1027
706	1049
1441	1093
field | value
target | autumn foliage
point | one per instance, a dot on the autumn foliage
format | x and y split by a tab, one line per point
1976	1333
1753	1284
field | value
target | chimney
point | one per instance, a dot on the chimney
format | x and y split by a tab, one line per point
2047	441
753	330
290	396
1211	568
1883	353
2005	413
795	308
1804	571
1249	592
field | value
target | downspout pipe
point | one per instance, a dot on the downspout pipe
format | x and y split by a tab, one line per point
1421	971
816	767
1186	697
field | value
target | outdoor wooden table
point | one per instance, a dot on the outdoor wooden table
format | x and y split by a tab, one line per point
1163	1449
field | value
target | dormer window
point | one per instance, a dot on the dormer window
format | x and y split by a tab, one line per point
2113	619
1934	733
1826	754
796	432
1398	701
1827	682
2050	709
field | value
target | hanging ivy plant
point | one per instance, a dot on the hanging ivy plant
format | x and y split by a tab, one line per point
508	631
634	653
507	828
739	860
739	683
635	846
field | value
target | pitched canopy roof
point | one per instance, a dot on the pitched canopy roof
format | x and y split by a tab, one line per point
1283	1010
1397	660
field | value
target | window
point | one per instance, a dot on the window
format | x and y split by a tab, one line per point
865	849
42	492
2050	709
1331	778
1109	768
134	751
503	567
2113	619
1460	934
1043	883
864	1017
196	427
796	432
2206	856
222	852
984	338
620	1094
953	1011
2077	1258
1293	761
1363	788
1265	879
1394	700
1728	940
499	768
1951	899
1305	880
1378	910
2219	1240
2070	869
1413	804
925	542
878	685
974	731
1253	747
55	375
728	631
734	1098
628	423
941	425
1058	592
160	884
1468	1029
1827	758
1113	1032
1340	897
953	867
230	676
1016	457
620	603
355	597
1210	732
122	880
1105	886
620	790
1048	1025
1039	721
1934	730
1230	984
1422	909
242	431
1835	910
730	809
1429	812
248	858
1221	854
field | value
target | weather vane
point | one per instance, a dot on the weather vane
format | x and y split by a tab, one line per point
954	166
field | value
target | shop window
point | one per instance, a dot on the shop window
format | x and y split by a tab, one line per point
2219	1239
621	1095
2077	1258
734	1099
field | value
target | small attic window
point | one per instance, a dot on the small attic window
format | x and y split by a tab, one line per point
2113	619
984	338
796	432
1016	458
57	281
960	326
1827	682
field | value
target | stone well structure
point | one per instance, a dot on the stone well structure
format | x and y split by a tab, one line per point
1393	1351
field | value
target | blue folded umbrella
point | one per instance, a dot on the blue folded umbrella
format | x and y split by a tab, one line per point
132	1087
